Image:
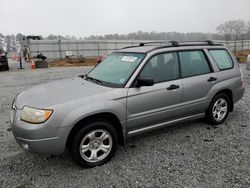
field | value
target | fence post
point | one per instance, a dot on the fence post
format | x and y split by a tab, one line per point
77	50
235	45
242	42
60	48
98	49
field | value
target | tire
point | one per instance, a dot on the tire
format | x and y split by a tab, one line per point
218	109
98	141
6	67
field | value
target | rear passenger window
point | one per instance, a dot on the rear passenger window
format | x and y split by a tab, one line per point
193	63
222	59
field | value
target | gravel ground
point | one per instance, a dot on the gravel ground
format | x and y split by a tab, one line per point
192	154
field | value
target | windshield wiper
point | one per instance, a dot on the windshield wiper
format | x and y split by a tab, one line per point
93	79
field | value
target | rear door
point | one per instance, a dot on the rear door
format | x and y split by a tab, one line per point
198	78
149	105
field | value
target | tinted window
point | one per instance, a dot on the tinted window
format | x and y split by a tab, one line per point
222	59
193	63
162	67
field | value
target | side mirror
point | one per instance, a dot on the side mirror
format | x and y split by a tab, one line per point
144	81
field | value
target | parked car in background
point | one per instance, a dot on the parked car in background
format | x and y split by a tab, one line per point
3	60
99	59
132	91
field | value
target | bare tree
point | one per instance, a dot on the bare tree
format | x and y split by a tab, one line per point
248	29
233	29
8	43
2	44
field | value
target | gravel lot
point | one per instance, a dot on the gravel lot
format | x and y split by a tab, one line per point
189	155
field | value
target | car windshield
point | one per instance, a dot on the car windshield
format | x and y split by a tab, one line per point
115	70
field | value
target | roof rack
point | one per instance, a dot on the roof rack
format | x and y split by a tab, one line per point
174	43
187	43
167	44
143	43
209	42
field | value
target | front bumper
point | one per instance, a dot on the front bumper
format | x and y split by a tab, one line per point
41	138
50	146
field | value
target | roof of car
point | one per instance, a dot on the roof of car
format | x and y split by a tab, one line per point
138	49
150	46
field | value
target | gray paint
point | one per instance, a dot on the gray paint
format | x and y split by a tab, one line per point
138	109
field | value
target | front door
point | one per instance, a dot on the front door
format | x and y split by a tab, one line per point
149	105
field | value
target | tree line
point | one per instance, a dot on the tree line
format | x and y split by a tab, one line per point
231	30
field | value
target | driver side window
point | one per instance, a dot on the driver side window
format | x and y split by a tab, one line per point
162	67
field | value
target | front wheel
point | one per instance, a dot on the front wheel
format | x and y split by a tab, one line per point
94	144
218	109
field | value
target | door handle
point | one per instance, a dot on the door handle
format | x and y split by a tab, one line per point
172	87
212	79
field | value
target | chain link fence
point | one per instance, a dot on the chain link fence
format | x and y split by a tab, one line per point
59	49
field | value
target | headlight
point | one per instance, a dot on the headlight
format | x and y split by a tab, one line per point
33	115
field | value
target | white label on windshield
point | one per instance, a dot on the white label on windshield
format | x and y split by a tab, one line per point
129	58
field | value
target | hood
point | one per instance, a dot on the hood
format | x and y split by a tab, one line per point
58	92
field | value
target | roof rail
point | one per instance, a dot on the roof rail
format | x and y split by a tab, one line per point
143	44
187	43
174	43
167	44
152	42
210	42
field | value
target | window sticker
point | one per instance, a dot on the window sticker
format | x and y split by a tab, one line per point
128	58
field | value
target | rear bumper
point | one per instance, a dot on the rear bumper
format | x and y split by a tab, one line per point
239	94
3	61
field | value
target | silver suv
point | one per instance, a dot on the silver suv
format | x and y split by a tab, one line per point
132	91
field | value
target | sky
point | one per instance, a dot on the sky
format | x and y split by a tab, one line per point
83	18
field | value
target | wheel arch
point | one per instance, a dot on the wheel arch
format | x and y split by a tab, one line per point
107	116
229	93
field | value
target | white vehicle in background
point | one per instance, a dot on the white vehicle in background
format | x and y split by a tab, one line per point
248	62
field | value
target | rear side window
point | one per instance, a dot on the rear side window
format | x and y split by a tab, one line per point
222	59
193	63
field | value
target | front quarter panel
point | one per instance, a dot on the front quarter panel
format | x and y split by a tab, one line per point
112	102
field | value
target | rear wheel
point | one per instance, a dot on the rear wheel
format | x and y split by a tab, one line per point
218	109
94	144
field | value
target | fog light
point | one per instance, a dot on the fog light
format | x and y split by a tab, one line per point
25	146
